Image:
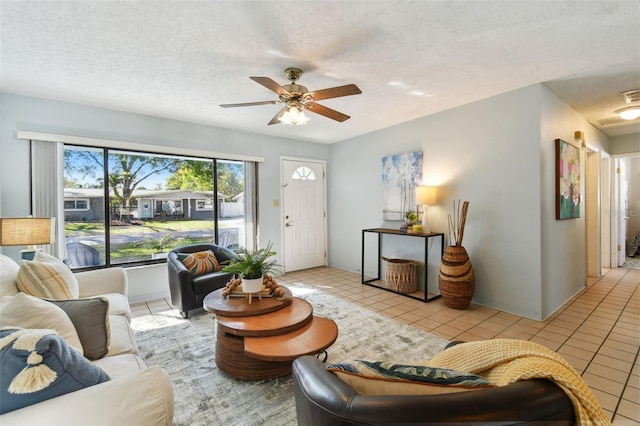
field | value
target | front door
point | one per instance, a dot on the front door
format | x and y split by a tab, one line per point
304	218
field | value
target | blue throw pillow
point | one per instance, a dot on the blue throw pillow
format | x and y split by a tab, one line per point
36	365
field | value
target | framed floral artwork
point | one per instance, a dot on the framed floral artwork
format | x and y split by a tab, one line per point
568	195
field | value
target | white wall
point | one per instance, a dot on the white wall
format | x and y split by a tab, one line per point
494	153
41	115
625	144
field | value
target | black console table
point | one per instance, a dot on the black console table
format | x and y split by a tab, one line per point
426	237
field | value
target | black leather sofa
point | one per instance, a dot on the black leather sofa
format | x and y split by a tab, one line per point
188	292
323	399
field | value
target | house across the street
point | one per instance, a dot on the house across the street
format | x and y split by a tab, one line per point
87	205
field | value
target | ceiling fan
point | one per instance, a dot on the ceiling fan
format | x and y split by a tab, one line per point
297	97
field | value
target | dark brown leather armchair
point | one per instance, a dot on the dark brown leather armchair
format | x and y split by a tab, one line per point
188	292
323	399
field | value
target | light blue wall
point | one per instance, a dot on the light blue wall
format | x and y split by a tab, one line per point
41	115
497	154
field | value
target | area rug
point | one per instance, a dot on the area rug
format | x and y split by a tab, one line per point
632	262
206	395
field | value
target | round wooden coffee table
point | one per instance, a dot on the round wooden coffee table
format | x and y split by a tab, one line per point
260	340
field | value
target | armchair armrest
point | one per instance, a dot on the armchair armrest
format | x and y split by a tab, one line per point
101	281
322	398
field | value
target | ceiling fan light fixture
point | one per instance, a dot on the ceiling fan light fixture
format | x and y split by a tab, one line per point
629	113
293	115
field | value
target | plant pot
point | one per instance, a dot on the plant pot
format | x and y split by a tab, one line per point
252	285
456	279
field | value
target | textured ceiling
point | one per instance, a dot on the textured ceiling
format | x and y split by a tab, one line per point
182	60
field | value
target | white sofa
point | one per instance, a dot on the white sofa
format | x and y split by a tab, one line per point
134	395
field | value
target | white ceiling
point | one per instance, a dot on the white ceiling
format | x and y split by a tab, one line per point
182	60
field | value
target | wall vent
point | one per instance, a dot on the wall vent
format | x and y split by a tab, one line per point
631	96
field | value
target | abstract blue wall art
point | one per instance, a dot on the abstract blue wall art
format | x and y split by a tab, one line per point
401	173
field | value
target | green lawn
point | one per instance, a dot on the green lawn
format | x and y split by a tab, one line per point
91	228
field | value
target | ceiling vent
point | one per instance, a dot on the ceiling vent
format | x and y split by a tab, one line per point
631	96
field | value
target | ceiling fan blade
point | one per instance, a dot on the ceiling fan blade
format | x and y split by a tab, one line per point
276	118
327	112
250	104
271	85
335	92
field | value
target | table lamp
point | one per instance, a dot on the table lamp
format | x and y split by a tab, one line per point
425	195
27	231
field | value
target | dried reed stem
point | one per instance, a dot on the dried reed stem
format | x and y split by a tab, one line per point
465	207
457	222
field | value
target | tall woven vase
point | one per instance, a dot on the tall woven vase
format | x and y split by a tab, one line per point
456	279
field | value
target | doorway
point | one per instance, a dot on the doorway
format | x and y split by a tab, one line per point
304	221
592	213
625	220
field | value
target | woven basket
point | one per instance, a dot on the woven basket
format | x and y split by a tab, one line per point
402	275
456	279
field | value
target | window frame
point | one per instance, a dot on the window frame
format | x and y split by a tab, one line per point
75	202
108	263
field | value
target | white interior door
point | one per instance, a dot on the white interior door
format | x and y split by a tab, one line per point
304	218
622	208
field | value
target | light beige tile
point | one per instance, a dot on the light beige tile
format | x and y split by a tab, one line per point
625	347
428	323
617	364
549	335
587	346
607	401
631	394
554	346
628	409
608	373
603	384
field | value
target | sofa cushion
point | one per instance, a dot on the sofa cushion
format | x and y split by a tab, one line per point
47	277
8	273
123	340
388	378
120	365
90	317
24	311
118	304
200	262
37	365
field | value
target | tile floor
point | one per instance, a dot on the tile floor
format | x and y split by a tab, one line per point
597	331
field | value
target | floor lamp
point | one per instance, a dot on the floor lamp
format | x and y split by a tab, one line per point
27	231
425	195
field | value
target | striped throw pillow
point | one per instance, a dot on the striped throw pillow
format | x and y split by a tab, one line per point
47	277
200	262
388	378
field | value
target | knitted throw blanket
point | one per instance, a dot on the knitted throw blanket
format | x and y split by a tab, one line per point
505	361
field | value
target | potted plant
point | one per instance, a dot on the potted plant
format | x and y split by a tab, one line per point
160	244
252	266
411	217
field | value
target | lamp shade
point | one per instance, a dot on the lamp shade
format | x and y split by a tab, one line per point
27	231
426	195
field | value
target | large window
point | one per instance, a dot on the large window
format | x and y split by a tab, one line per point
124	207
